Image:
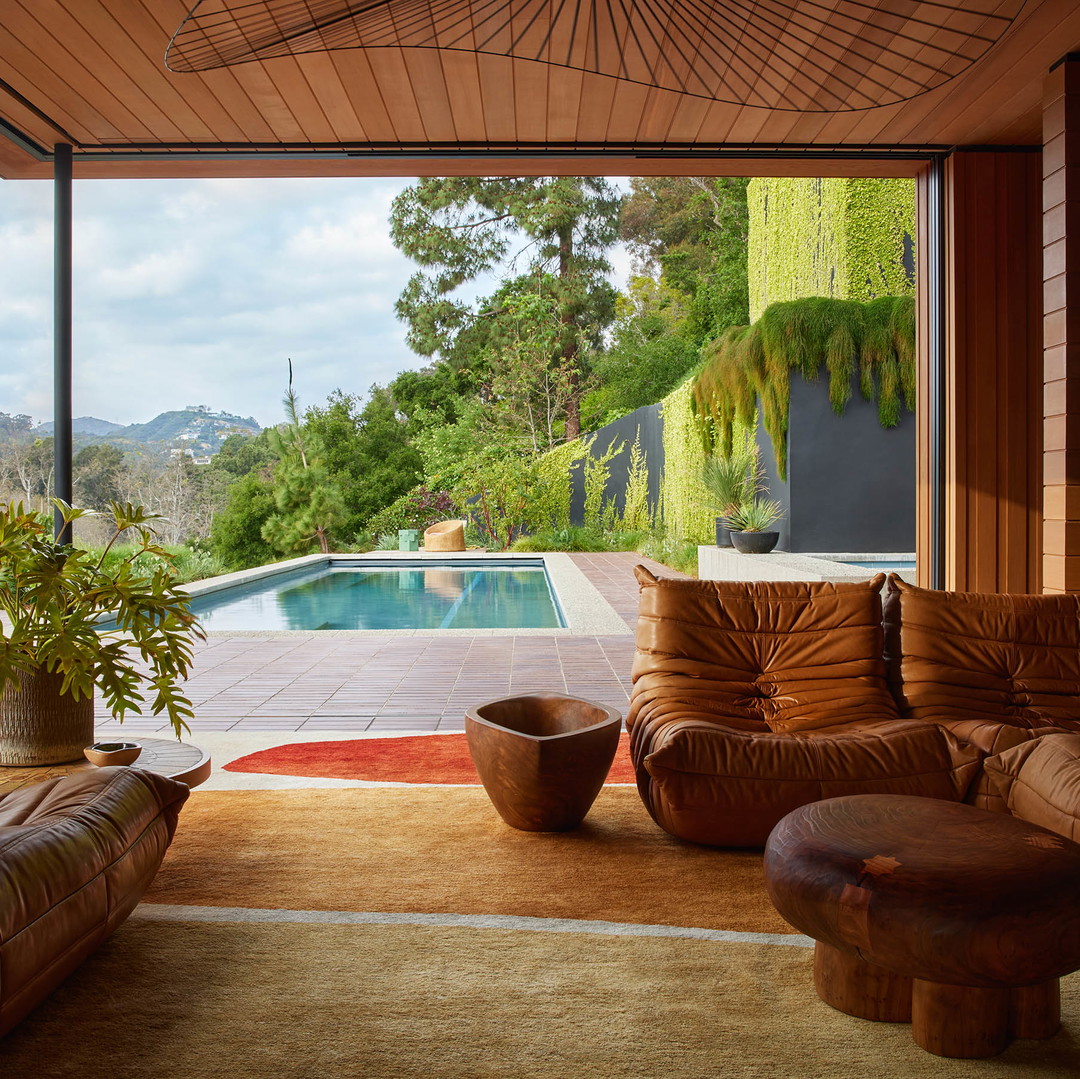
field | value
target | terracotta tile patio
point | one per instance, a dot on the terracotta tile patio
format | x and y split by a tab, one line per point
403	683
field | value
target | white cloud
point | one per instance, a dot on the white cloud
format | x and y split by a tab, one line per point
197	292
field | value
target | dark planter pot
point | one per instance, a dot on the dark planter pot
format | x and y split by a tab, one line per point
754	542
38	725
723	533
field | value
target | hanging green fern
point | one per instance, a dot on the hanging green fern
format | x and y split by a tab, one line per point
875	341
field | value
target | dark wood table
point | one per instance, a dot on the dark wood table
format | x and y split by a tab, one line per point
957	919
178	760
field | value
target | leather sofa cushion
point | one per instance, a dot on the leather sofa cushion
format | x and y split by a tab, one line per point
779	656
76	855
986	657
752	699
726	787
1040	782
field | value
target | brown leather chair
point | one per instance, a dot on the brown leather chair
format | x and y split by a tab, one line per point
76	855
751	700
994	669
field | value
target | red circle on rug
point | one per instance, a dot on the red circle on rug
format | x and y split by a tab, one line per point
431	758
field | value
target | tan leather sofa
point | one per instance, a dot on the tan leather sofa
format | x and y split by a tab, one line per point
750	700
76	854
1039	781
995	669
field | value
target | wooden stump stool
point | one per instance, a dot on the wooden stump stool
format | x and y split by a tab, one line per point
955	918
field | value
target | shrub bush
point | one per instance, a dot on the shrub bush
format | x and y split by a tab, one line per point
419	508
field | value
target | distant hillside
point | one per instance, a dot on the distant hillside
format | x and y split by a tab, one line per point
83	425
195	429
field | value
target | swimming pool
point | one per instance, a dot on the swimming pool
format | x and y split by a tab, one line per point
393	594
904	567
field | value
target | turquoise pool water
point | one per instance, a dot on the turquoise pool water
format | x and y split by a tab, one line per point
511	594
906	569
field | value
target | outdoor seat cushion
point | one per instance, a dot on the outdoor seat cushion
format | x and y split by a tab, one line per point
1039	781
76	855
752	699
995	669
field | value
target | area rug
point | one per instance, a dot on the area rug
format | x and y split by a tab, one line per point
408	933
434	758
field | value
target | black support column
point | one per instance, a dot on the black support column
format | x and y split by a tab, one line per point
62	439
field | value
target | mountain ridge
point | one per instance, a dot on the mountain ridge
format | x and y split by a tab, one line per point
194	429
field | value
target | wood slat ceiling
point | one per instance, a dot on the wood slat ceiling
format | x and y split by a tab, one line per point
93	72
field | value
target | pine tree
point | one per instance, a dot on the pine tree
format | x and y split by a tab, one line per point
309	504
458	228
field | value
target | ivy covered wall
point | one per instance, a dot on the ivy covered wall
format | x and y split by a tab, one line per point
846	238
684	506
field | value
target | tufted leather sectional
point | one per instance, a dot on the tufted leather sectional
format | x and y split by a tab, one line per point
76	855
751	699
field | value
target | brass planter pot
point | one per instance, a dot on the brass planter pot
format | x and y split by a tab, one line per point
38	725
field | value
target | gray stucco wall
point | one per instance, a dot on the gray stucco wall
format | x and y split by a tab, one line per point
850	486
643	423
851	482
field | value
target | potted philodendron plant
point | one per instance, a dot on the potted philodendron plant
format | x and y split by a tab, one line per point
750	522
732	481
71	624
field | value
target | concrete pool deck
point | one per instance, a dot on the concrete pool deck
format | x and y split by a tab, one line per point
417	680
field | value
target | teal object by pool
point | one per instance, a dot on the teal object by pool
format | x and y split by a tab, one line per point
390	595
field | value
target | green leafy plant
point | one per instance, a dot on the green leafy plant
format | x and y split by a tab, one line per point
755	515
871	343
734	479
95	622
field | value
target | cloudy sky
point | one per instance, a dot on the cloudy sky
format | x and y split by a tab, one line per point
197	293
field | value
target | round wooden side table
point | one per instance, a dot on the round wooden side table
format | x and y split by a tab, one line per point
178	760
957	919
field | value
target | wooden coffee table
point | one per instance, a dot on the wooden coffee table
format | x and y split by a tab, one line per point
178	760
954	918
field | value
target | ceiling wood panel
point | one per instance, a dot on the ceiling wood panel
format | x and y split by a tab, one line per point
24	118
464	99
597	101
95	67
37	81
291	86
129	33
497	92
321	75
687	119
88	68
364	94
530	101
263	90
388	67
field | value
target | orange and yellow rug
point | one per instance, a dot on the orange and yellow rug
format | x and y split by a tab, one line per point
406	932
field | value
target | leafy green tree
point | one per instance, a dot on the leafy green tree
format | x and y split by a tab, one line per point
11	425
693	230
532	382
98	471
434	396
500	493
458	228
241	454
236	535
650	352
309	505
366	453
